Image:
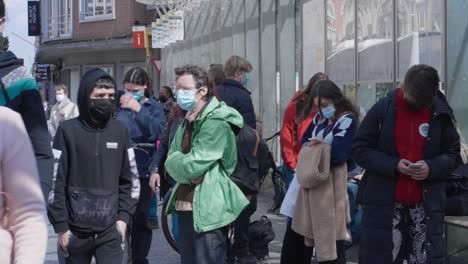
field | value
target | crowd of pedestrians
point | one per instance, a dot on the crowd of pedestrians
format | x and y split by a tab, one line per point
376	178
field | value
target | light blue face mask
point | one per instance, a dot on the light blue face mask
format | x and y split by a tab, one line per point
138	95
328	112
246	80
186	99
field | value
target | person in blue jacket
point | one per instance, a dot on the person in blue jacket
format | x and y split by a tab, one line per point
144	118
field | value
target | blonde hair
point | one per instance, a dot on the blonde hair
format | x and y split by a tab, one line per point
61	87
236	64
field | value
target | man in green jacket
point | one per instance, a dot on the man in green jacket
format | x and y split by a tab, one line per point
202	156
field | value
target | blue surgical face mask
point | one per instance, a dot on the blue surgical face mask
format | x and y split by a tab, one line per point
138	95
328	112
186	99
246	79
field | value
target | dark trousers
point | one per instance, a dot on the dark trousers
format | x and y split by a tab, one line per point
240	247
294	249
106	247
200	248
341	253
141	234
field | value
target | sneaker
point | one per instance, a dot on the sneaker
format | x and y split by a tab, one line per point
152	224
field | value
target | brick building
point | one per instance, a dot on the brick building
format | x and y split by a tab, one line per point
78	35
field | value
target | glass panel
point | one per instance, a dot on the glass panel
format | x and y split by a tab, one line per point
52	20
435	35
457	57
349	90
100	7
109	7
89	8
369	93
420	34
340	40
313	44
65	17
375	46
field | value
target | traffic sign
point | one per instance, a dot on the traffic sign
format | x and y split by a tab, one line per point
157	64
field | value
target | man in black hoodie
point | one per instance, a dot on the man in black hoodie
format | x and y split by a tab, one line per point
19	92
96	184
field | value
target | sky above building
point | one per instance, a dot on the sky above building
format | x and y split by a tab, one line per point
16	29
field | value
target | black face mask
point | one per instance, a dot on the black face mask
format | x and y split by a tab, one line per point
162	99
101	110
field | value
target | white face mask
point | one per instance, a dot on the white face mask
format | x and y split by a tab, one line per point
60	97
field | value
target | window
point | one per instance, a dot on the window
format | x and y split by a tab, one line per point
109	69
92	10
59	18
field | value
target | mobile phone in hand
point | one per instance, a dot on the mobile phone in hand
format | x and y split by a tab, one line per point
415	165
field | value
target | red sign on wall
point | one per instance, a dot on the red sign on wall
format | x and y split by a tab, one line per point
139	37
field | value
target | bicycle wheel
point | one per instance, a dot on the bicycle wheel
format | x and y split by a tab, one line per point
166	223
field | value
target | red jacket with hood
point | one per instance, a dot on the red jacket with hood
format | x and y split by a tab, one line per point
291	140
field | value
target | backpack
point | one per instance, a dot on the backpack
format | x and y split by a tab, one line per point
457	192
245	174
260	235
264	161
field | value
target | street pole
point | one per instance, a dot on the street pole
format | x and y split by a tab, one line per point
148	50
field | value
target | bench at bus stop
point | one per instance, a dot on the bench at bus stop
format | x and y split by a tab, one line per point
456	231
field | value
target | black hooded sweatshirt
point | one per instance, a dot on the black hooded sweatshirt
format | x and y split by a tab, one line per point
96	182
20	93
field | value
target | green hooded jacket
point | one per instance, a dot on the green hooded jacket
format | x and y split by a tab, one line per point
217	200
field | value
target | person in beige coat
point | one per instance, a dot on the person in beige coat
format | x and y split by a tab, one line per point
63	110
23	228
321	171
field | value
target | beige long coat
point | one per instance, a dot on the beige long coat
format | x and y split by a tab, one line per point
322	207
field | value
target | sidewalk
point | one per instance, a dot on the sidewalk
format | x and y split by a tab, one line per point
162	253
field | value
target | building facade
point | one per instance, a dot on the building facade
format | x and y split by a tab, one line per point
78	35
365	46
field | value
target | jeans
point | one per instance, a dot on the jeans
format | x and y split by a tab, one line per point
141	234
153	214
200	248
107	247
355	212
240	248
288	174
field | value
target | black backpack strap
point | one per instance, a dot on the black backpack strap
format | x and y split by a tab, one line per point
5	93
